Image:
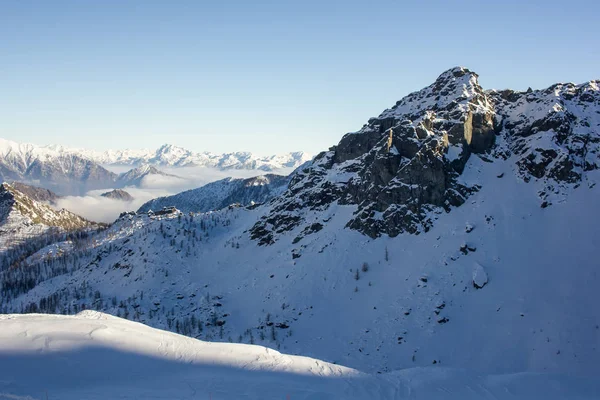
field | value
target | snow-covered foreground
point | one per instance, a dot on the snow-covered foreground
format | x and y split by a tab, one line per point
97	356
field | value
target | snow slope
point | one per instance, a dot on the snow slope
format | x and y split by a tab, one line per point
222	193
96	356
24	221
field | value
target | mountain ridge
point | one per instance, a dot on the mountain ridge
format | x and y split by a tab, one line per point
404	166
222	193
168	155
27	224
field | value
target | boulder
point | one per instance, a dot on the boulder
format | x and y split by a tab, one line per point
480	277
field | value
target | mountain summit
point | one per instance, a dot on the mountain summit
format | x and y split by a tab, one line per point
405	166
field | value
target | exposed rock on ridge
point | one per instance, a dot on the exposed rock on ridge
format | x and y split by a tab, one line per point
402	167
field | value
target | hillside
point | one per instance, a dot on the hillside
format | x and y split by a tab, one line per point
96	356
222	193
27	224
36	193
456	229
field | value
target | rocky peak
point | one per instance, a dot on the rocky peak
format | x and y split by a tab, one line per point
146	169
13	201
402	167
457	86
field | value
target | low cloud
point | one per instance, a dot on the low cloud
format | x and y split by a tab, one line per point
96	208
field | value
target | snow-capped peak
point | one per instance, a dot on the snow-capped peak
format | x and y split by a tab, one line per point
457	85
167	155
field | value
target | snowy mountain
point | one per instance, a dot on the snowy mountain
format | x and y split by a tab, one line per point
405	167
97	356
173	156
76	171
66	171
52	169
135	176
27	224
118	194
456	230
222	193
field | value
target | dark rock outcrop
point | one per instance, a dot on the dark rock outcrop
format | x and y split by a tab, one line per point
118	194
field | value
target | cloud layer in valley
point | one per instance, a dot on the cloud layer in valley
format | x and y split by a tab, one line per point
101	209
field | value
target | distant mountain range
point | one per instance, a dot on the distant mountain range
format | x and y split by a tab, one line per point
63	171
67	173
173	156
76	171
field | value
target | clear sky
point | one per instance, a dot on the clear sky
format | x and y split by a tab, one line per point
263	76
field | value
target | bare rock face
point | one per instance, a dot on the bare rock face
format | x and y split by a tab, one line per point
401	168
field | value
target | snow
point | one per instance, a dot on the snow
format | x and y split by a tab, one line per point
174	156
464	87
222	193
97	356
480	278
22	218
76	171
454	152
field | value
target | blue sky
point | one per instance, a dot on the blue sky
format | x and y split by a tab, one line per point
263	76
